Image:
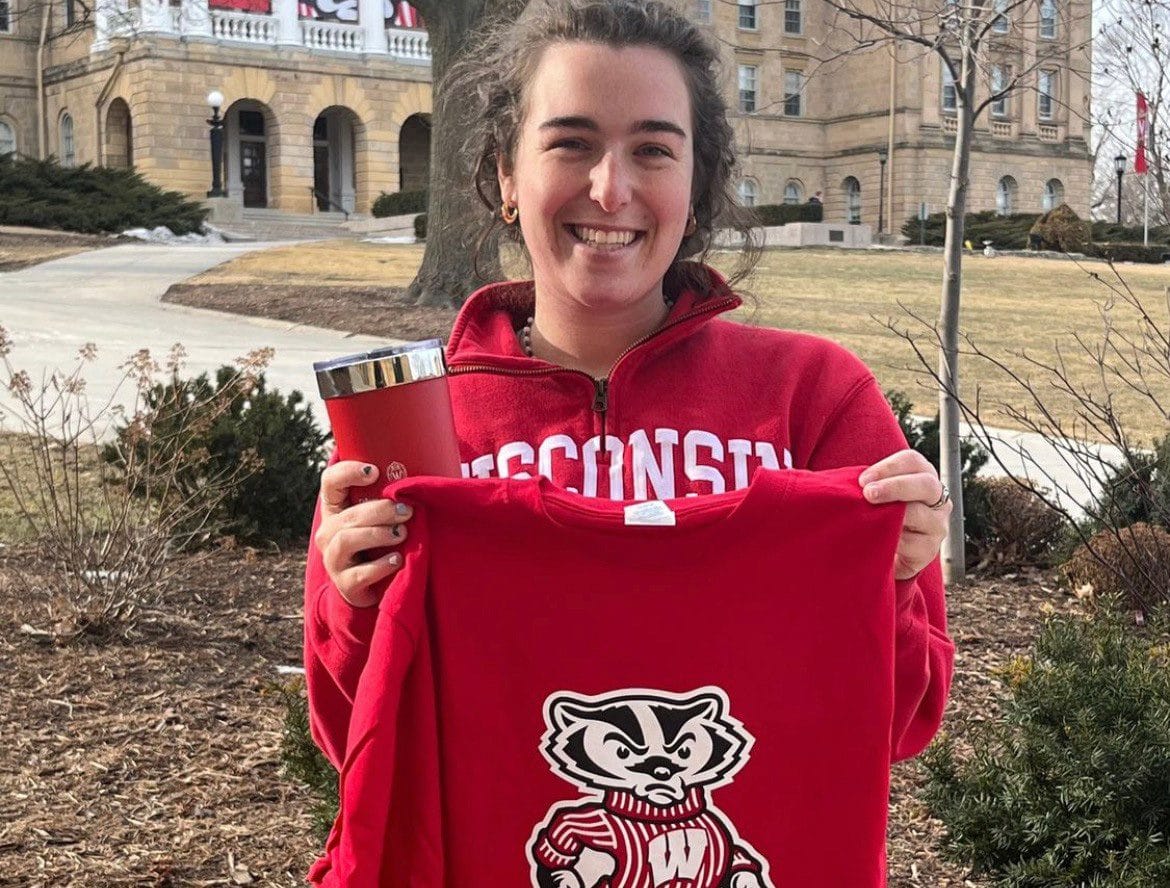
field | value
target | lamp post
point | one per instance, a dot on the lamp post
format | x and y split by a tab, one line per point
1119	166
215	100
883	156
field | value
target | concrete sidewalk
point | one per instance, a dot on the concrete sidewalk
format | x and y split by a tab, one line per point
111	297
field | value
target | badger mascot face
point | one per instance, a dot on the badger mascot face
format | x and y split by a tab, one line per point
653	745
646	760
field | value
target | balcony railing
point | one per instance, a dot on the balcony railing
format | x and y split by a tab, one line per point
282	27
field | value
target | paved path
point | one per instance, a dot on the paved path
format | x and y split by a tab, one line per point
111	297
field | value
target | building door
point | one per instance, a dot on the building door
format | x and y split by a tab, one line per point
253	174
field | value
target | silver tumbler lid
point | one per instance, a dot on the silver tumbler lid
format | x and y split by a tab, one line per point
380	368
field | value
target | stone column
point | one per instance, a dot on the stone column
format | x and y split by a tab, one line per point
288	31
372	15
156	17
104	14
196	18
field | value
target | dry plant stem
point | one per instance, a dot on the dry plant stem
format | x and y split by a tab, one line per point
1139	362
108	528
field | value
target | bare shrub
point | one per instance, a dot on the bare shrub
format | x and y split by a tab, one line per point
1130	564
1019	529
101	534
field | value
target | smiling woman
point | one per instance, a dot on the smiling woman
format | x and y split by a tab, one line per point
600	142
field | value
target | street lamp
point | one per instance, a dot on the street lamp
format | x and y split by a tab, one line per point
883	156
215	100
1119	165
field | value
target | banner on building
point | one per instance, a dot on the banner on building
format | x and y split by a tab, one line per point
261	7
1143	131
396	14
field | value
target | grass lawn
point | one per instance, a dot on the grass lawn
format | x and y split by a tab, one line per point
1010	304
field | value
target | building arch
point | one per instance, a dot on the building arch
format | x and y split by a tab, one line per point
8	140
1005	196
852	188
793	192
251	153
749	191
119	138
414	153
340	159
1053	194
66	140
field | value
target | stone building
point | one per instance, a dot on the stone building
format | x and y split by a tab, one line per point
327	103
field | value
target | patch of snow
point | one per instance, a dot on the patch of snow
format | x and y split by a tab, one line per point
390	239
163	235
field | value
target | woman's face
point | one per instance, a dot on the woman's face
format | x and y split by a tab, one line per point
602	172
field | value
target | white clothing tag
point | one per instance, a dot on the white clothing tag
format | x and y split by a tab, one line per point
653	513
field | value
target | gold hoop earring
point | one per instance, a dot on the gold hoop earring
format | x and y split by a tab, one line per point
692	224
509	213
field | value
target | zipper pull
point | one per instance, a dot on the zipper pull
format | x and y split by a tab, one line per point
601	398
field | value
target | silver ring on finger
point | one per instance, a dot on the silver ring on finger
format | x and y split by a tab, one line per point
943	498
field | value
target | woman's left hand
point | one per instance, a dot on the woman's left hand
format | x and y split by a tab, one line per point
907	477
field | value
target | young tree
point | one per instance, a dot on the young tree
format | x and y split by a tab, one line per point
454	214
969	37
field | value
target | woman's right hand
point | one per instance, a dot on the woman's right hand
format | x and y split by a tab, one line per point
347	530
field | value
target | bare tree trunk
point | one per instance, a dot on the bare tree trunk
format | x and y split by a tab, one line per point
455	215
950	458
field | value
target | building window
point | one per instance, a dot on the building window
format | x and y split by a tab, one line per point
5	17
7	139
852	200
1048	19
68	157
793	193
1046	90
748	192
950	96
792	17
747	15
703	11
793	89
747	88
1000	23
1053	194
999	78
1005	196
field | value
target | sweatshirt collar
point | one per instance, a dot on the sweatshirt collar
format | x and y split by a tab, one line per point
629	805
485	329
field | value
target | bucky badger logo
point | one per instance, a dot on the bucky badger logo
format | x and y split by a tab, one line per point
647	760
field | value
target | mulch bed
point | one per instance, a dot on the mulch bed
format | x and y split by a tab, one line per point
157	762
375	311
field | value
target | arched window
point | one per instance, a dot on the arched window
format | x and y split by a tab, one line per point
1005	196
1053	194
852	200
68	157
748	192
793	192
7	138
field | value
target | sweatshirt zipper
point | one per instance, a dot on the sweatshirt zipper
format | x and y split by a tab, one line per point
600	386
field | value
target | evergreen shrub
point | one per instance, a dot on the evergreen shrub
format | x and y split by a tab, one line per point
1104	232
1122	252
273	504
1004	232
399	203
782	214
1067	788
305	763
45	194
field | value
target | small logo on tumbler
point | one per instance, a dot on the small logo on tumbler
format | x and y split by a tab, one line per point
396	471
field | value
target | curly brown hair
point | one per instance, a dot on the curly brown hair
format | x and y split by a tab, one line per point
501	59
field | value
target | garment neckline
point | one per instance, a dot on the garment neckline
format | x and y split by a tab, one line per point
691	513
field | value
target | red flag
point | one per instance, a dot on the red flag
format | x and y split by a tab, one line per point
1143	129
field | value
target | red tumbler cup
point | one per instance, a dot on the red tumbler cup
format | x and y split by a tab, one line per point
391	407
